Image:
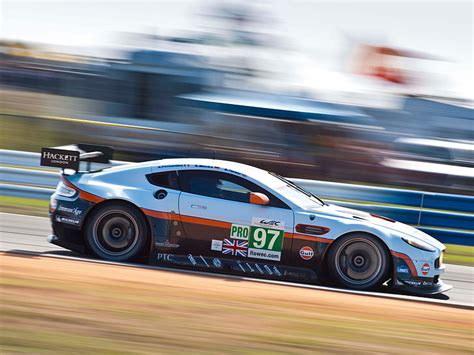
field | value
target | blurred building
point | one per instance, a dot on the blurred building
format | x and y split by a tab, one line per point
186	100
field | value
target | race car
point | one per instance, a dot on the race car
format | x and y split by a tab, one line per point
223	216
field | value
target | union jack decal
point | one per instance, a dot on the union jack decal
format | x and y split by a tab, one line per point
235	247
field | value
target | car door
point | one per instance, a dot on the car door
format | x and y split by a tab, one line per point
162	210
220	222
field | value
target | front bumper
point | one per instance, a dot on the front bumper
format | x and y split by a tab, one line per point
421	286
420	276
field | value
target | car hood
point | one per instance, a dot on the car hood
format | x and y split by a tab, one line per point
343	212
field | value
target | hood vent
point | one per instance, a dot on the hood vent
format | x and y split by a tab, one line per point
313	230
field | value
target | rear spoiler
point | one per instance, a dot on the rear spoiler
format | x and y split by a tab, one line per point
70	156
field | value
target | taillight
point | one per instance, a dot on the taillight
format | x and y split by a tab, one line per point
53	203
63	190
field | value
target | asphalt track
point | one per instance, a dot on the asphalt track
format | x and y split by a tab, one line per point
27	234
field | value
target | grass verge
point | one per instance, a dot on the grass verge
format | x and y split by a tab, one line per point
459	255
21	205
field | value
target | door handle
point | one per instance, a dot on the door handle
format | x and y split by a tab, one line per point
199	207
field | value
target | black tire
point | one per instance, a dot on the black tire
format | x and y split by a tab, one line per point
358	261
116	232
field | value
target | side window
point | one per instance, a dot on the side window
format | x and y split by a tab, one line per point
167	179
222	185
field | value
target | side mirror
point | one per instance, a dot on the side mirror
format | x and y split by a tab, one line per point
258	198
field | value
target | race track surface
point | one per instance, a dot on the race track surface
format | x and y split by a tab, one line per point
27	234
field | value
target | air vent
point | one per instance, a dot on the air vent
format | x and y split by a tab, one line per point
382	217
313	230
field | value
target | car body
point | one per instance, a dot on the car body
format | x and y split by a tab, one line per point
223	216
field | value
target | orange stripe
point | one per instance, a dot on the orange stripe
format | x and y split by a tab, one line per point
205	221
187	219
311	238
90	197
158	214
222	224
407	259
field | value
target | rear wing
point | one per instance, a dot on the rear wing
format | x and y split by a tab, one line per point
70	156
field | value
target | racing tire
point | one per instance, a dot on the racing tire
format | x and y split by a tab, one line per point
116	232
359	262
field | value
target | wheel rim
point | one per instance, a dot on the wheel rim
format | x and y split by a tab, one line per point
115	233
358	261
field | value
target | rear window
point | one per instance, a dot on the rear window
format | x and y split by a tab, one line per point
167	179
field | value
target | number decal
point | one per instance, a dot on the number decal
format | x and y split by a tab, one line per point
276	234
265	238
259	238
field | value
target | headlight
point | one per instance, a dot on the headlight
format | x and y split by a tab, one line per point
64	190
418	244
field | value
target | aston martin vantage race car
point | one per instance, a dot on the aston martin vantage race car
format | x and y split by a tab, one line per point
228	217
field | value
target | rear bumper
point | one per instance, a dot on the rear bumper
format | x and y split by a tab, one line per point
66	236
67	244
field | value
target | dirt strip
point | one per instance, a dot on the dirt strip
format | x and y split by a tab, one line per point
64	306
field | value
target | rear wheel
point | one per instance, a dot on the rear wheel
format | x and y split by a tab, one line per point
116	232
358	261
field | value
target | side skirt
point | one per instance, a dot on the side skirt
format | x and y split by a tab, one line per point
236	266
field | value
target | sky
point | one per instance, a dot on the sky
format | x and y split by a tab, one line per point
320	29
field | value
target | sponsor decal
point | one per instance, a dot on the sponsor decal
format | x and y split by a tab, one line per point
268	269
204	261
306	253
67	220
258	268
192	260
216	245
217	263
250	267
75	211
403	270
164	257
238	231
425	269
276	271
413	283
235	247
240	265
268	223
166	244
60	158
264	254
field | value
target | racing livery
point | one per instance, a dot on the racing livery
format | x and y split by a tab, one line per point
229	217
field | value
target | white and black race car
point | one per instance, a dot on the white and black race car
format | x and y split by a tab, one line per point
229	217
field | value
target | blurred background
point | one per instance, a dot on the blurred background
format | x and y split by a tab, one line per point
377	92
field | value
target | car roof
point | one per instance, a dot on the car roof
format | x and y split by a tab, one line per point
211	164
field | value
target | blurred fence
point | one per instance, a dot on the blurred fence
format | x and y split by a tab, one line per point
449	218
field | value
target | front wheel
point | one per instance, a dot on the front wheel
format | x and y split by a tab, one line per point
358	262
116	232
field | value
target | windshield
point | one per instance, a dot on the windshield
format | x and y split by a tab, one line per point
296	193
